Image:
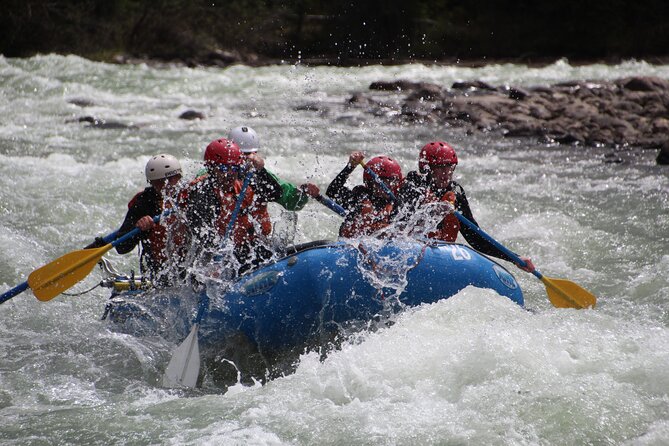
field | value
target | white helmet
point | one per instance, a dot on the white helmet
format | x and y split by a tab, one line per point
246	138
162	166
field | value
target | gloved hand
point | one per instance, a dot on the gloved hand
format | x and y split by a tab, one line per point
355	158
256	161
449	197
145	223
98	243
310	189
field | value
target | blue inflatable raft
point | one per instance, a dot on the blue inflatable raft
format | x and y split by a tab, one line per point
310	296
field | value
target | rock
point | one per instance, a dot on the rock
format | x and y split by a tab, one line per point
360	100
313	107
220	58
661	125
523	127
627	112
104	124
427	92
649	83
191	115
79	102
515	93
308	107
417	109
570	137
612	158
399	85
542	90
472	85
538	111
580	111
405	85
628	106
663	156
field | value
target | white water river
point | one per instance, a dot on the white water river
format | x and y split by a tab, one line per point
474	369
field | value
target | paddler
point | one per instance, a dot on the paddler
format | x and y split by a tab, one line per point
433	183
369	207
212	198
163	242
293	198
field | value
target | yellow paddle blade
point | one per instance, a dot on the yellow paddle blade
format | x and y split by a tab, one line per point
566	294
52	279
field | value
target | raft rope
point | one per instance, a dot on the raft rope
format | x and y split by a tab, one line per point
82	292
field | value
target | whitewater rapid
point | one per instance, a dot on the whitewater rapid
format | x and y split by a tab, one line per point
474	369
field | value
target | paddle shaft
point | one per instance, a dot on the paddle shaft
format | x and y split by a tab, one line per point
512	255
18	289
379	181
336	207
238	205
24	286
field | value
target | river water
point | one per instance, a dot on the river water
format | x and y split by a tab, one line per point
475	369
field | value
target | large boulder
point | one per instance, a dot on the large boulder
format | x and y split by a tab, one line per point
649	83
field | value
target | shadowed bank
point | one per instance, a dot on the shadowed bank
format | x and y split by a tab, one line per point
336	32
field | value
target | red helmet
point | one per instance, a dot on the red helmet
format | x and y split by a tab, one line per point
385	167
223	151
437	153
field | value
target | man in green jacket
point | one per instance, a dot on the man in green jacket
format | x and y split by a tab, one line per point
293	198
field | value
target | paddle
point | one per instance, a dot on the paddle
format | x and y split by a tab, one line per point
314	193
561	292
53	278
184	366
379	181
24	286
336	207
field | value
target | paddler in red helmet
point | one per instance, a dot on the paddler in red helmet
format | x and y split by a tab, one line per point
369	207
434	183
212	198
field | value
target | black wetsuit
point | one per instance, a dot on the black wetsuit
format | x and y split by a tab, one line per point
148	202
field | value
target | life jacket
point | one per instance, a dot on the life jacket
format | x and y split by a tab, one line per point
449	226
168	238
168	228
250	215
367	221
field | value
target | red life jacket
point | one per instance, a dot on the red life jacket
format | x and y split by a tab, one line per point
244	231
367	221
172	229
449	226
168	225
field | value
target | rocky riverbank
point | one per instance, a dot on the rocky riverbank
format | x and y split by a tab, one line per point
621	113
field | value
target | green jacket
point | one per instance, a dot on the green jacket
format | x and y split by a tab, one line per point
292	199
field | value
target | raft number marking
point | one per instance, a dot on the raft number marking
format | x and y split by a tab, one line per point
459	253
